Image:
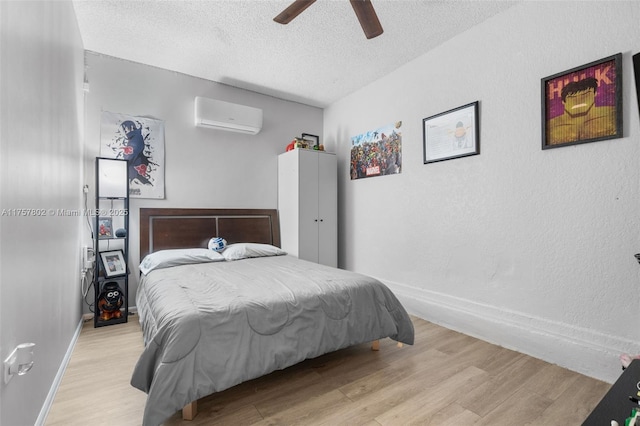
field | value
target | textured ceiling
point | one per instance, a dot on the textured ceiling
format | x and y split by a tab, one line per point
321	56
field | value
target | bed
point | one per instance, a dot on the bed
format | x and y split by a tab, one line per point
209	325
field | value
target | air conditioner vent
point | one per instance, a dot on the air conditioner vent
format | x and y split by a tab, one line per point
215	114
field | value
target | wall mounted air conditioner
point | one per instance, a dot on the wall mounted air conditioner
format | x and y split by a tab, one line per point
222	115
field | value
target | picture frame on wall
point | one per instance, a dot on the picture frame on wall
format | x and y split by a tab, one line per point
451	134
583	104
113	263
636	72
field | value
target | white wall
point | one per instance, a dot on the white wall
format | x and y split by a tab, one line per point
204	167
526	248
41	116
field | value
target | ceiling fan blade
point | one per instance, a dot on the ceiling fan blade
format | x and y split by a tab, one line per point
367	17
294	9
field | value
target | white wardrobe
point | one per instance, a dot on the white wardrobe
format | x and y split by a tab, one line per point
308	205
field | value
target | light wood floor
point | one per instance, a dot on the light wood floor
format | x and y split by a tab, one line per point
446	378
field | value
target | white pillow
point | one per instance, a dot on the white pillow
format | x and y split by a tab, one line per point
167	258
239	251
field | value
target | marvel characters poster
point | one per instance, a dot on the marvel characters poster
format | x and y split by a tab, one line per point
377	152
583	104
140	141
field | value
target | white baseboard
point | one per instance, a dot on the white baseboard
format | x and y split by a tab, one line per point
582	350
44	411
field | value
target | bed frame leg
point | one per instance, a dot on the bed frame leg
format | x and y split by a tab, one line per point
190	411
375	345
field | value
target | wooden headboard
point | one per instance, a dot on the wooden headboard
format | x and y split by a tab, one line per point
162	229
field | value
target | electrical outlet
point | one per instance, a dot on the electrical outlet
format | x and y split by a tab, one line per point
85	189
19	362
88	258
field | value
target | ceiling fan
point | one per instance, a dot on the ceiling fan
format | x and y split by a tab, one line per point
363	9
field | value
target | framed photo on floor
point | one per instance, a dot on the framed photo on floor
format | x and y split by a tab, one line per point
583	104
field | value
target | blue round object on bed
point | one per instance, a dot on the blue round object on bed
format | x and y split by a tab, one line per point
217	244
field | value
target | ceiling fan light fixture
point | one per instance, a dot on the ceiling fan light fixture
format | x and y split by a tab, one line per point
294	9
368	18
363	8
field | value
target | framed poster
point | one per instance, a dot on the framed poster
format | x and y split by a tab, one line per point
140	141
113	263
636	72
377	152
451	134
583	104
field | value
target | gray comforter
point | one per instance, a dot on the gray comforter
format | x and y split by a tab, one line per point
210	326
